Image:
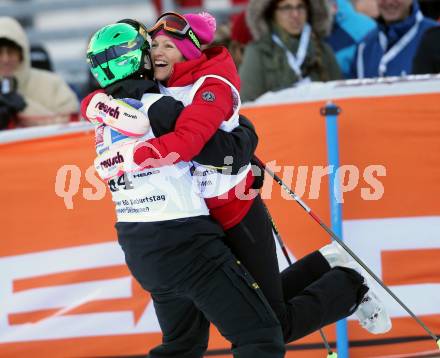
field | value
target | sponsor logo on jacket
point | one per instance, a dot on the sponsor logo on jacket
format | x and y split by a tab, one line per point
129	115
114	112
117	159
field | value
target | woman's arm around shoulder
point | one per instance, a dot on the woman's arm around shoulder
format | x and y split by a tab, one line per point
212	104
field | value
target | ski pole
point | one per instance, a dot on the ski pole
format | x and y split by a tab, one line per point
330	353
347	249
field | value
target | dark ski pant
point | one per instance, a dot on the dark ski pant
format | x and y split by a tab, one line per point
194	279
307	295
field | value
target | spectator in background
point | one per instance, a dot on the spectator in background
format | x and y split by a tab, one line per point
389	50
349	29
427	58
289	48
41	97
240	37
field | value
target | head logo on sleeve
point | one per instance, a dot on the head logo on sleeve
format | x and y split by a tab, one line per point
208	96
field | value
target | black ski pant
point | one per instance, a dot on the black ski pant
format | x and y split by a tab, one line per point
307	295
194	279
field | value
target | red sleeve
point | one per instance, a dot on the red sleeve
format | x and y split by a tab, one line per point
196	124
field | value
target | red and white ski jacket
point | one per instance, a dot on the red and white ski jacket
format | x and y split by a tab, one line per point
212	104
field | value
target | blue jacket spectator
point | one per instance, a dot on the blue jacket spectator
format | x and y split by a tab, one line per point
389	50
349	29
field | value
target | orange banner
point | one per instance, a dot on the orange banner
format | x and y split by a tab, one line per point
66	291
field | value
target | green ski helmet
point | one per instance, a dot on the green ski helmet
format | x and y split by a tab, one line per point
118	51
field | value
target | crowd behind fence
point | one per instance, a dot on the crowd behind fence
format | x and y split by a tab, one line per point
58	32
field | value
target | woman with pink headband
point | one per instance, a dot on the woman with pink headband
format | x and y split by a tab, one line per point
207	83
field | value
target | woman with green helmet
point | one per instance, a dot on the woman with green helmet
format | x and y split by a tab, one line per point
171	245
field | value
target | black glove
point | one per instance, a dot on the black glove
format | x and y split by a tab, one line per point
10	101
13	101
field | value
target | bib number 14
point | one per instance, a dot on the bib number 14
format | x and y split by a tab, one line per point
122	182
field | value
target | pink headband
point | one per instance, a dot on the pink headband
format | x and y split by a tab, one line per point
203	25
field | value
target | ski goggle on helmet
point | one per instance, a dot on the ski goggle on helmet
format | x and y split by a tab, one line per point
117	51
175	25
